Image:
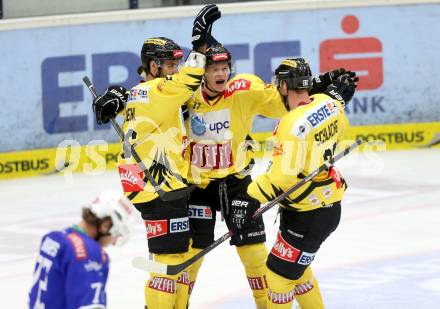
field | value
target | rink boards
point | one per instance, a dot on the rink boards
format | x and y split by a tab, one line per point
46	104
98	156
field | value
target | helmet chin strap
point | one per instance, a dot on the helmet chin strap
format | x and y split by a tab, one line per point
206	84
158	73
285	102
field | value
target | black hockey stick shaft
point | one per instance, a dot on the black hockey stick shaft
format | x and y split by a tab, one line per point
165	196
319	170
175	269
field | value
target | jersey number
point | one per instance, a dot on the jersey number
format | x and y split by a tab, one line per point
97	286
43	265
329	153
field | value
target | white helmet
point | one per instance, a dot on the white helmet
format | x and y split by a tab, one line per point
115	205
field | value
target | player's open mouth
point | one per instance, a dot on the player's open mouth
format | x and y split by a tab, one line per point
220	82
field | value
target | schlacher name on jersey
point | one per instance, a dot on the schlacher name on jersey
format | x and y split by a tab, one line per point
321	112
327	132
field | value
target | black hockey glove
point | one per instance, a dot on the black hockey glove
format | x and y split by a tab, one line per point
109	104
321	82
202	25
342	89
243	207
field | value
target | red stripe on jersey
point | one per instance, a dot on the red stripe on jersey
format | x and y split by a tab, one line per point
78	246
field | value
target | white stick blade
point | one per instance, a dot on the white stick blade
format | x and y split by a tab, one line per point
149	265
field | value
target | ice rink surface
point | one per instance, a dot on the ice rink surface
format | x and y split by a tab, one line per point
385	253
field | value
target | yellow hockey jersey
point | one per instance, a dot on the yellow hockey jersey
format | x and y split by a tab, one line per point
153	122
305	138
218	128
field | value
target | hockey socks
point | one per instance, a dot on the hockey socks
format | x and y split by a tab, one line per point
282	291
162	291
253	258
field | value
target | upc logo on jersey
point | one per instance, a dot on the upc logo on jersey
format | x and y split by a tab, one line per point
198	125
321	113
156	228
179	225
211	156
237	85
306	258
200	212
284	251
132	177
213	126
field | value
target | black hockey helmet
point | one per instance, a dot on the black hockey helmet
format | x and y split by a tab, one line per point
296	72
218	53
158	49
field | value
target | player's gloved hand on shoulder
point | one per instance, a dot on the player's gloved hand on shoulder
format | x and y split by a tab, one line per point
343	88
110	103
202	25
321	82
243	207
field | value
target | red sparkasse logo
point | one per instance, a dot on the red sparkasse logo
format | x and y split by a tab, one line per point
132	177
236	85
156	228
284	251
208	212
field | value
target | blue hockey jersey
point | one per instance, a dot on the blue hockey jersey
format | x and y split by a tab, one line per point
71	272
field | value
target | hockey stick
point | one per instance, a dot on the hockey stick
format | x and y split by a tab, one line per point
164	196
58	168
156	267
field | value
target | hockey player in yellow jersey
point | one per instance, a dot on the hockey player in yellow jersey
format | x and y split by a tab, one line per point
154	123
304	138
219	122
